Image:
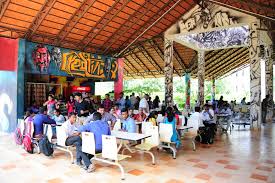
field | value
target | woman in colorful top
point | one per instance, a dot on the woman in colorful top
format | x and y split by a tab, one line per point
70	105
171	119
153	118
51	105
141	116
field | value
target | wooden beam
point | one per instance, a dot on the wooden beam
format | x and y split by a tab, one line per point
44	11
3	6
140	62
74	19
111	14
135	17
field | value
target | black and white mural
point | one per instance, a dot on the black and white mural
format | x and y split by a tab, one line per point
201	73
168	71
218	39
269	78
255	74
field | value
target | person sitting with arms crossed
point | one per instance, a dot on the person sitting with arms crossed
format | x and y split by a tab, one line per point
128	124
98	128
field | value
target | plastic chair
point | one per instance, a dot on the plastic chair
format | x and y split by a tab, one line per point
150	142
165	134
60	141
109	150
117	126
145	126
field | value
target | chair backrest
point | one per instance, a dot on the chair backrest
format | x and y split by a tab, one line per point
236	108
109	147
154	132
244	109
117	125
88	143
145	126
160	118
47	130
165	132
61	135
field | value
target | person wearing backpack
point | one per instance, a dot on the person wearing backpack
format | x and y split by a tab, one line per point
73	138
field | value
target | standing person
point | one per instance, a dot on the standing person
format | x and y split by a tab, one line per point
70	105
98	128
73	138
136	106
144	104
107	103
81	106
128	124
243	101
264	108
121	101
156	102
128	104
51	105
133	100
171	119
150	103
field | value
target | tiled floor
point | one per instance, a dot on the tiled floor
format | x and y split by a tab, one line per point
244	156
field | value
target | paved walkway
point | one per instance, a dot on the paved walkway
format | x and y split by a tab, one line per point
244	156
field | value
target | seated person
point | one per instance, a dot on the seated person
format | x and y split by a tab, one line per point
98	128
58	117
117	111
39	120
73	138
171	119
153	118
141	116
105	116
131	113
208	118
128	124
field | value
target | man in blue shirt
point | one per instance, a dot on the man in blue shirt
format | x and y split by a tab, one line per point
98	128
121	101
39	120
128	124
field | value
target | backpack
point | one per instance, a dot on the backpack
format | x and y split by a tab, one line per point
206	135
27	143
18	136
45	146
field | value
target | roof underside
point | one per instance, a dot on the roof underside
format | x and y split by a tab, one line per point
108	26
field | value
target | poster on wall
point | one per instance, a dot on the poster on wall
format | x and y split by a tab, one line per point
8	98
46	59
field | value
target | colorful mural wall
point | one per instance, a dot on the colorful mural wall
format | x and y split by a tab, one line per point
46	59
8	85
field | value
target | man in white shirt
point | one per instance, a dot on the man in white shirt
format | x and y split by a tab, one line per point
73	138
208	118
133	99
144	104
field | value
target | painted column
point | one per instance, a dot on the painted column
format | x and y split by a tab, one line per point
187	90
118	85
168	71
213	90
21	78
255	75
269	81
201	73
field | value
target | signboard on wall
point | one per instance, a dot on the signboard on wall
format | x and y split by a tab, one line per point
46	59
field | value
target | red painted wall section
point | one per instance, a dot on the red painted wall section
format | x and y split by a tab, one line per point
118	86
8	54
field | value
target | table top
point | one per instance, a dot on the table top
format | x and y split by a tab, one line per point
129	136
184	127
223	115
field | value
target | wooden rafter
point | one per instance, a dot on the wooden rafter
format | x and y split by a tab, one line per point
70	24
178	57
130	64
3	6
140	62
109	15
147	23
135	17
149	58
44	11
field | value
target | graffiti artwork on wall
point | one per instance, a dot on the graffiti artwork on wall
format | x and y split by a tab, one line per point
41	58
85	65
218	39
56	56
204	18
168	70
187	90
